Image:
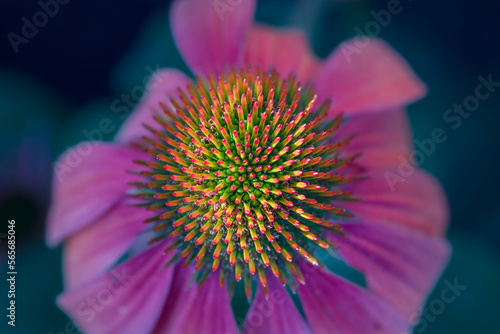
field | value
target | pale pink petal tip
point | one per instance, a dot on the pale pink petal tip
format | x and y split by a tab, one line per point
162	84
334	305
89	179
210	34
127	300
368	76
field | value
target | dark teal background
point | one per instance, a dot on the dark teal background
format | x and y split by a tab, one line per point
66	78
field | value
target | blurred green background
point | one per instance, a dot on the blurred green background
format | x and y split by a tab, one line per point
65	79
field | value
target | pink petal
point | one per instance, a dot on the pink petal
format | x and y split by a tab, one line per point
128	300
373	78
277	315
400	265
381	138
180	291
190	310
335	306
87	185
210	34
415	200
162	84
285	50
99	245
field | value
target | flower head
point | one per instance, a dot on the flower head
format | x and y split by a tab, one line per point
246	180
247	173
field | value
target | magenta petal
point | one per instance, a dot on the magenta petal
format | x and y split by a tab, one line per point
210	34
128	300
277	315
162	84
381	138
99	245
400	265
374	77
285	50
87	185
416	200
189	310
180	291
335	306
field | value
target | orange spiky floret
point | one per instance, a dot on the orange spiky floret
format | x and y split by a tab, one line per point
244	182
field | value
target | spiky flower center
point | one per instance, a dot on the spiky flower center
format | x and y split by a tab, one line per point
245	175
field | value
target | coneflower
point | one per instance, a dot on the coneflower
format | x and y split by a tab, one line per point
243	175
268	159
